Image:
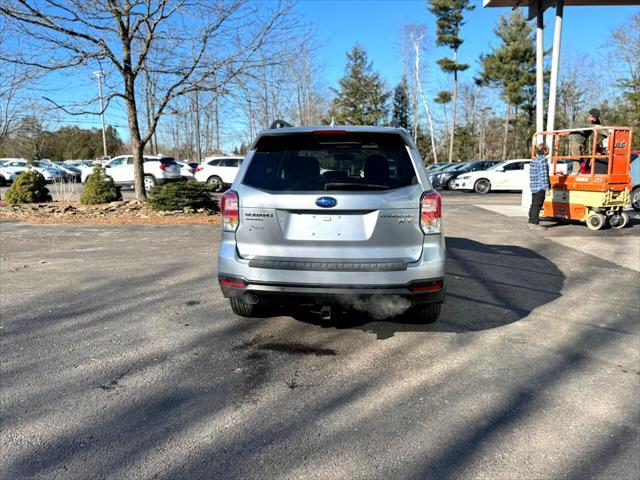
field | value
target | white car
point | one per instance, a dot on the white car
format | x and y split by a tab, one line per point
157	170
10	168
85	167
219	171
508	175
50	172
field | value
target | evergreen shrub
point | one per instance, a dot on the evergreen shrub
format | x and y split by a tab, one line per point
28	187
180	195
99	188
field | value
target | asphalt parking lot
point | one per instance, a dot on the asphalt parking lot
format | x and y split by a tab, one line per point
120	359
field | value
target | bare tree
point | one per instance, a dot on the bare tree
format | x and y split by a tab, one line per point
187	45
414	35
13	81
310	91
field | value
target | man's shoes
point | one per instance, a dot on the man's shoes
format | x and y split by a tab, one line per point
536	226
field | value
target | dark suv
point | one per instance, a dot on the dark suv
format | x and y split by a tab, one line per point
447	179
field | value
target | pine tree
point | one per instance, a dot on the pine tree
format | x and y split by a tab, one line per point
625	43
361	98
401	105
450	19
512	67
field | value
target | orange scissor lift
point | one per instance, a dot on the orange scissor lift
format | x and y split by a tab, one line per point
599	194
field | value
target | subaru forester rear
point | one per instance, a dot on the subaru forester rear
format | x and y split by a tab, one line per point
333	216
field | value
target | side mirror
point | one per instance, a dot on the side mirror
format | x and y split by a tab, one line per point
500	169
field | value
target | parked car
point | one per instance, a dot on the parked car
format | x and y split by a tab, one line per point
436	166
635	180
508	175
447	179
157	170
187	169
72	174
84	166
452	167
51	173
10	168
8	175
13	165
365	234
219	172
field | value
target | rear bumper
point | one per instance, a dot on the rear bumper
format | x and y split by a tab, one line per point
162	181
327	283
424	291
463	184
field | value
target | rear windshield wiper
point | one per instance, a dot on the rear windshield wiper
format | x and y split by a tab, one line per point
354	186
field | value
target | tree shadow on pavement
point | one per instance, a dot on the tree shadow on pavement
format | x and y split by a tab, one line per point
488	286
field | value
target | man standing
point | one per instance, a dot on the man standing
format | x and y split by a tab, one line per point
578	140
539	180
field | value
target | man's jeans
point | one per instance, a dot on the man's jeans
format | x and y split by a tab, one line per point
537	199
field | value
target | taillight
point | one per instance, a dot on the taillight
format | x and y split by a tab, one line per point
192	171
427	287
163	166
431	213
229	209
232	282
199	169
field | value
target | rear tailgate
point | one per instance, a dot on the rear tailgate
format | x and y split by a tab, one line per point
170	167
351	197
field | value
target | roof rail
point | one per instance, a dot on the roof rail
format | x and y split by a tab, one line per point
280	124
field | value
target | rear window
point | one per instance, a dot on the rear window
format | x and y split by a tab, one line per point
330	162
168	161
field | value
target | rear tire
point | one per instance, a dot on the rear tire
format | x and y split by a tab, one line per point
425	313
216	183
241	308
482	186
619	220
149	182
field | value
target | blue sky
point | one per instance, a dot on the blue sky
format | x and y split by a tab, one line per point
376	24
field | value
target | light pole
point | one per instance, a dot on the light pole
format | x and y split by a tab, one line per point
99	76
199	154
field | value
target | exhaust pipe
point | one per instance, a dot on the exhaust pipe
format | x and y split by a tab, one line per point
250	298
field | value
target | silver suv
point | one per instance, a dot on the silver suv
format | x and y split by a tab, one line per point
333	216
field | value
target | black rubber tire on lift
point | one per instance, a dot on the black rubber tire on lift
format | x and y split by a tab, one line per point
241	308
482	186
425	313
596	221
619	220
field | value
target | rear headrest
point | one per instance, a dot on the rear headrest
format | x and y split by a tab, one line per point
299	168
376	167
